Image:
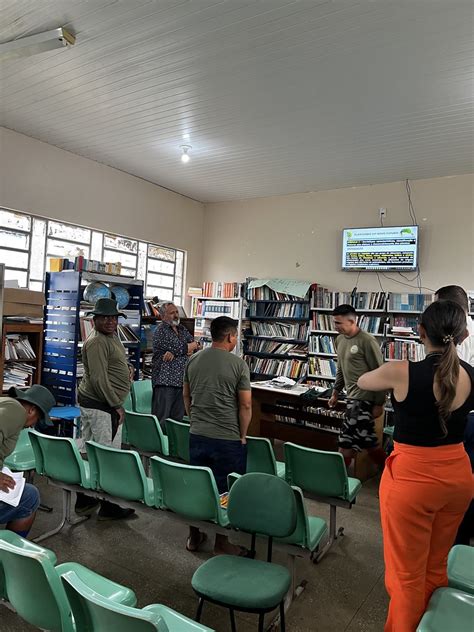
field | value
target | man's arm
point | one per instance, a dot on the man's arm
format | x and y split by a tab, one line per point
245	413
374	360
187	398
98	361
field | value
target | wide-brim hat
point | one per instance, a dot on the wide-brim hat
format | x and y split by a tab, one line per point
106	307
37	395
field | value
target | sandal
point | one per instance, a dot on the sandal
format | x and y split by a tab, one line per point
194	548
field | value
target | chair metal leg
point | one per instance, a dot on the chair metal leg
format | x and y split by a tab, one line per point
294	592
261	622
282	616
333	534
199	610
65	517
232	621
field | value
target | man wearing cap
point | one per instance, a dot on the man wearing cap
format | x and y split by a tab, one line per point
102	392
22	409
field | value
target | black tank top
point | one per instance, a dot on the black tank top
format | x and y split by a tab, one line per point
417	419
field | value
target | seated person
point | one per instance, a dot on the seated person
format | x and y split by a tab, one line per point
22	409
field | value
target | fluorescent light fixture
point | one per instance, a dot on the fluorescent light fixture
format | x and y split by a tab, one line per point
185	156
33	44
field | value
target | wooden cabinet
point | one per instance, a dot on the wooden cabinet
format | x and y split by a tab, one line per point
34	333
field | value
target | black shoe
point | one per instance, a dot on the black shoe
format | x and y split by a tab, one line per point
85	505
109	511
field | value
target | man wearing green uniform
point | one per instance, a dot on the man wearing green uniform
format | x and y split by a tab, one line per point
23	409
102	392
357	353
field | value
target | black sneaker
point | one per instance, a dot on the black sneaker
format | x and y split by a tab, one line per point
85	505
109	511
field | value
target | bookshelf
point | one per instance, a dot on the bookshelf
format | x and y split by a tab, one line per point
62	341
276	342
205	308
149	324
21	364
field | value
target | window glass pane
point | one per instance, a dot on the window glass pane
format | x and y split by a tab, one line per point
8	219
163	295
120	243
37	286
159	280
12	239
178	284
128	272
113	256
154	265
67	231
14	258
37	249
58	248
11	275
96	246
141	267
159	252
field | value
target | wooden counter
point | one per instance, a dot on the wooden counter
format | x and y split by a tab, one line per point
273	410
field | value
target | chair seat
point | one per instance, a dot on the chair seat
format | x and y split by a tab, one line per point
175	621
317	530
354	486
448	609
280	468
240	582
461	568
105	587
21	460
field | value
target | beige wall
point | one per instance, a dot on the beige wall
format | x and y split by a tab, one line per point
299	236
39	178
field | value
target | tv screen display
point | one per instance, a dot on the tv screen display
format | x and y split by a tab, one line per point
383	248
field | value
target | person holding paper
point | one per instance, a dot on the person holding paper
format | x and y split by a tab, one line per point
22	409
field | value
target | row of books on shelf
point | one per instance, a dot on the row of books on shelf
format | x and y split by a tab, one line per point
323	298
81	264
18	347
322	344
213	309
149	308
404	350
18	374
280	330
288	368
217	289
323	367
124	332
264	293
282	348
275	310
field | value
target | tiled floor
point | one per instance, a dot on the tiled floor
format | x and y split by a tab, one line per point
344	592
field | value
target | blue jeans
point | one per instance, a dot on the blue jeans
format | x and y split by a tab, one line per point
222	456
29	503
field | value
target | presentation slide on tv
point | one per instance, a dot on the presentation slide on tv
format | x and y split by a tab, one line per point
384	248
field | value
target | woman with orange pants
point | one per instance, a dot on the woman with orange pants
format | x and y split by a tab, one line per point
427	483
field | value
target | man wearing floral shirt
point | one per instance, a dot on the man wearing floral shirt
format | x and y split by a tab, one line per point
172	344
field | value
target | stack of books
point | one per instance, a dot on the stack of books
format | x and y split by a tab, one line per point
150	309
18	374
18	347
219	289
81	264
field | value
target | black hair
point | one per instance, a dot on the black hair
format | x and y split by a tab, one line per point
445	326
222	327
345	310
454	293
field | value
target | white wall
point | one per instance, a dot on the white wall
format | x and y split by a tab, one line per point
39	178
299	236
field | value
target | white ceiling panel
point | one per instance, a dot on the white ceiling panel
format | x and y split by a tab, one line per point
274	96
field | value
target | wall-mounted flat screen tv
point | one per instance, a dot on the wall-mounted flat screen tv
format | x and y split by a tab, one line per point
383	248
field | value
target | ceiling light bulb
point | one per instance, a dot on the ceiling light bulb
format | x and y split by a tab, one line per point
185	156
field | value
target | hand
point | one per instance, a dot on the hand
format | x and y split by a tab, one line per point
192	347
121	415
243	441
334	399
6	483
377	410
168	357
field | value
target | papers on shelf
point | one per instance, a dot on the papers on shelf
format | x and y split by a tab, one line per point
13	496
285	286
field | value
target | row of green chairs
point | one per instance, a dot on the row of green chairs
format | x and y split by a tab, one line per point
69	597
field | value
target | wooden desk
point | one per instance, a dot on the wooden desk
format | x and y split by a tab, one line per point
274	408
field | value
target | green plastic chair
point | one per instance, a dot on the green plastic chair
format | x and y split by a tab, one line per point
27	545
461	568
34	588
119	473
244	584
22	459
388	430
178	439
187	490
142	393
93	612
261	458
60	459
323	475
145	434
128	407
448	609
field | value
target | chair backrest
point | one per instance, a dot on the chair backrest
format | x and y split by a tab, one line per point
260	456
128	404
300	535
188	490
34	588
118	472
23	442
142	392
94	612
39	465
263	504
178	438
60	459
144	432
316	471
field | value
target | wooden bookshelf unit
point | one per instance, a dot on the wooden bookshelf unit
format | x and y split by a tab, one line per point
34	332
